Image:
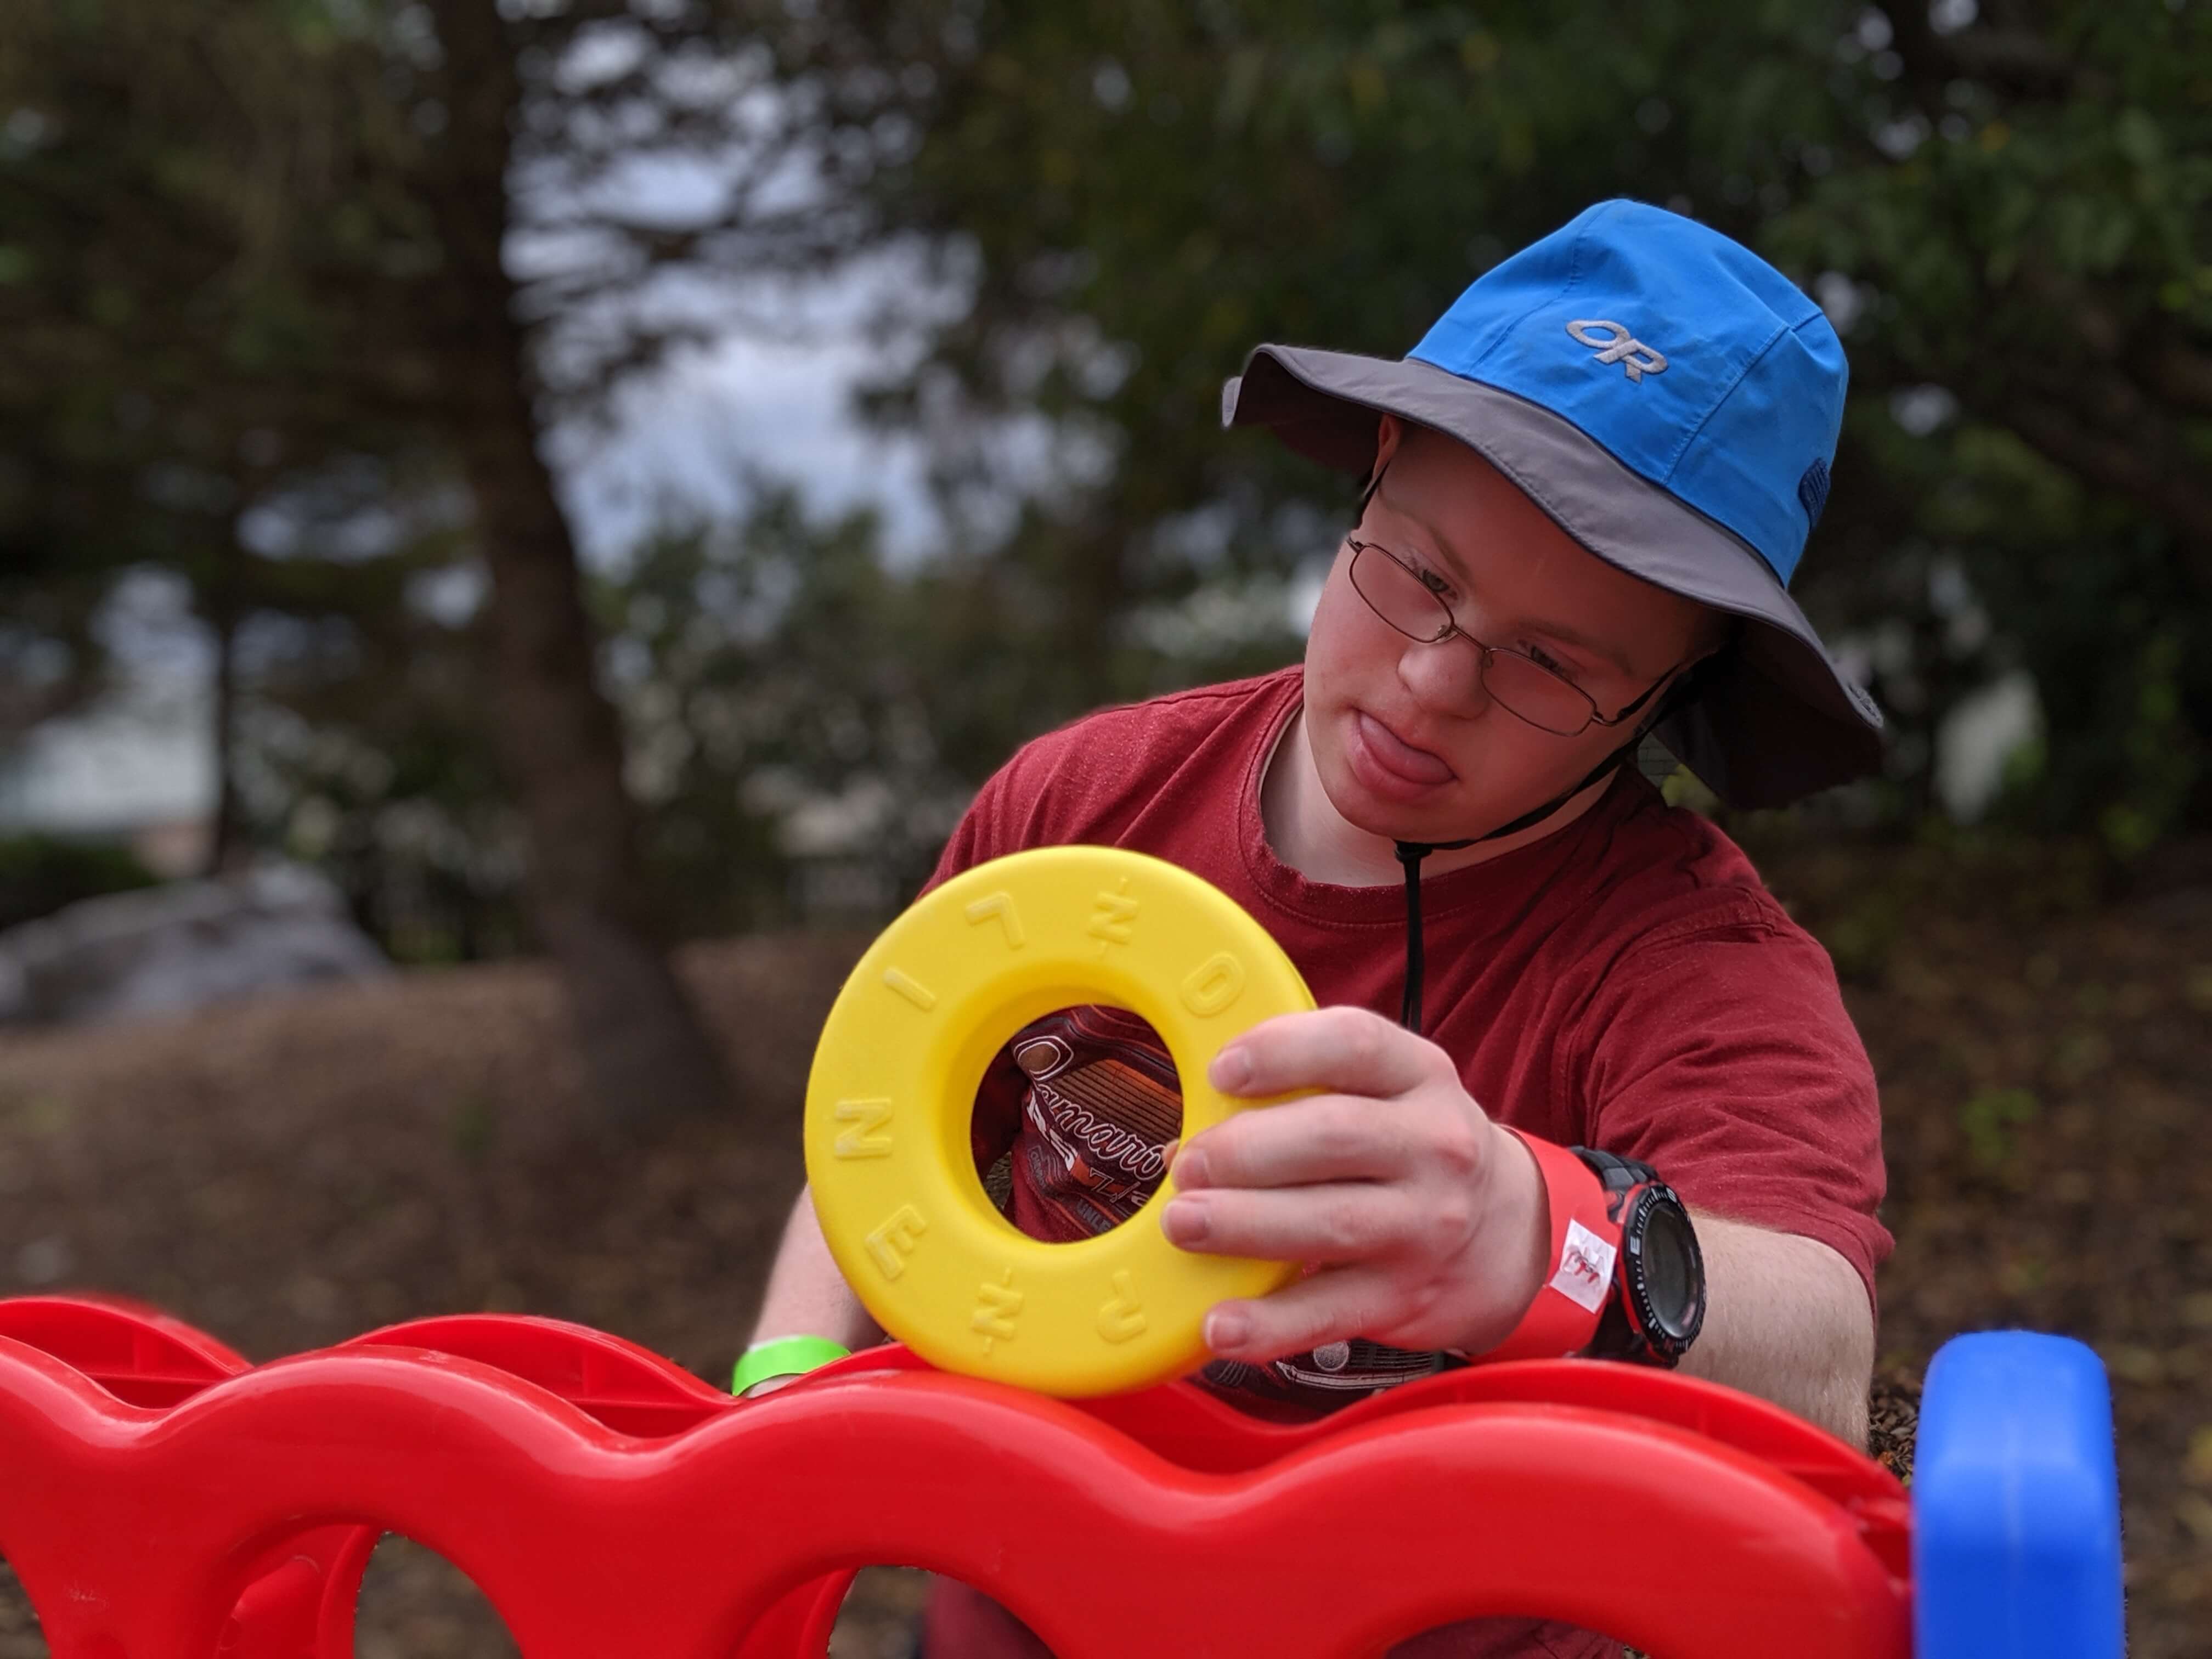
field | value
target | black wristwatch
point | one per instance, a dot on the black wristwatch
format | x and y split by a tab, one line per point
1657	1300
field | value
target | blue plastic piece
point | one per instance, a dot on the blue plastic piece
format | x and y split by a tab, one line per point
2016	1503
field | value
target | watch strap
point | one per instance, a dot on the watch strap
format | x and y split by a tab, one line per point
1618	1176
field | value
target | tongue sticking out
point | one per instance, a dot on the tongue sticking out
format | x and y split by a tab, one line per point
1401	757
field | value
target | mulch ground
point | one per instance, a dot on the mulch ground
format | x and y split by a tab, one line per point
290	1172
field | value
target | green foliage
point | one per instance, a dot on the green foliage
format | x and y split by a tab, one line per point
1988	1118
761	670
41	873
807	724
165	355
368	754
2162	759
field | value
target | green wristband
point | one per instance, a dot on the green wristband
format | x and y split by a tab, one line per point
783	1356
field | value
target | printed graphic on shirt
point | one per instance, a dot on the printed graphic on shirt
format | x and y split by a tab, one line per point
1334	1374
1101	1100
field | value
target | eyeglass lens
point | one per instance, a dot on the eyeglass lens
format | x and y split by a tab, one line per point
1519	683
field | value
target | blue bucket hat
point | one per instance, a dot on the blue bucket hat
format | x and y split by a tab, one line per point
1672	401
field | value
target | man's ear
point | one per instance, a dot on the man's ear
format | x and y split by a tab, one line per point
1390	433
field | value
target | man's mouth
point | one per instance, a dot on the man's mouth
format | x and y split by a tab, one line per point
1391	760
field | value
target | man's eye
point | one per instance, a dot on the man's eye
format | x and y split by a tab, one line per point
1544	658
1436	584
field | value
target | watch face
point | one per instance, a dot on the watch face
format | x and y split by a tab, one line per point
1670	1267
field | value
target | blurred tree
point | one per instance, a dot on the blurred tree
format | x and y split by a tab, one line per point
290	235
159	372
806	723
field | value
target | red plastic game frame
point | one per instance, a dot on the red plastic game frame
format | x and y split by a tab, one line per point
162	1499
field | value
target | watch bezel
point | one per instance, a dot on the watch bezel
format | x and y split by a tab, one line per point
1666	1339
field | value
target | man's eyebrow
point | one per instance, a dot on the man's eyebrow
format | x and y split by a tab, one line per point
1563	632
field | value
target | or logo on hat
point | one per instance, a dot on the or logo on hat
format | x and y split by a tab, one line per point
1618	345
1813	490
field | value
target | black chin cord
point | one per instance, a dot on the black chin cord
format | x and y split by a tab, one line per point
1411	853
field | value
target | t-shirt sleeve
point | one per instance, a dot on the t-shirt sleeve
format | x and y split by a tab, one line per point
980	837
1724	1058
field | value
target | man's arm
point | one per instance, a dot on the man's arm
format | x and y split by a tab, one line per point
806	1295
1786	1319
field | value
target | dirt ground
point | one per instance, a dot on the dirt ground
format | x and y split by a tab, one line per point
289	1172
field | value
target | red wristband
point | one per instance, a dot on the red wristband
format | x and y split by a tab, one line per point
1585	1243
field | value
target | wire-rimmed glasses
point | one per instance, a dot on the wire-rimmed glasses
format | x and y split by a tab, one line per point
1516	681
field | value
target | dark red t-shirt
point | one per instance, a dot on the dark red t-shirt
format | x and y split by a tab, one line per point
1625	983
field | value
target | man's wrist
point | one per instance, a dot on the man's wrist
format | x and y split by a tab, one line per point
1531	1215
1572	1276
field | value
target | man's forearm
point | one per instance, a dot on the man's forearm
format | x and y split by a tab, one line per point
806	1295
1786	1319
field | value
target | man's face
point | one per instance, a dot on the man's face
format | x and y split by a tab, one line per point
1407	743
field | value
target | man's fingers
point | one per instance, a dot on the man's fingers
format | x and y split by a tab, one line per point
1345	1050
1348	1221
1326	1307
1320	1137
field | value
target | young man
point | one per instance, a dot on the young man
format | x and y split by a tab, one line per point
1588	487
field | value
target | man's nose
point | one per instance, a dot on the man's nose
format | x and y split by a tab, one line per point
1446	675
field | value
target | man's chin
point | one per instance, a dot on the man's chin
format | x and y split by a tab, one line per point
1359	809
1460	819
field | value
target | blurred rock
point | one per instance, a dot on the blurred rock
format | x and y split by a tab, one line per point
183	945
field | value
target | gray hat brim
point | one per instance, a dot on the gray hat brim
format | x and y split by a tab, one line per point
1776	718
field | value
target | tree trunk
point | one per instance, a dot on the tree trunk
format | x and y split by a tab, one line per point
559	738
220	611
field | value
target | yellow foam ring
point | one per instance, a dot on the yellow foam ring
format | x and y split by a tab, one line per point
892	1092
